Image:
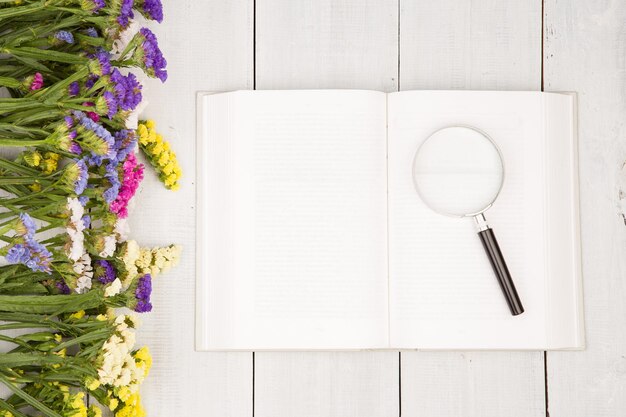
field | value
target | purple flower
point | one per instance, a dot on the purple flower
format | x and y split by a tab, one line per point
75	147
101	65
142	294
92	6
73	89
91	32
153	9
25	225
64	36
126	13
107	104
83	200
91	80
151	55
127	90
62	287
125	142
104	272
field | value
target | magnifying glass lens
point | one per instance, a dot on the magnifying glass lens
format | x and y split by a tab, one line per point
458	171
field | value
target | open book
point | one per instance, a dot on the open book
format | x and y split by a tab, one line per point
310	234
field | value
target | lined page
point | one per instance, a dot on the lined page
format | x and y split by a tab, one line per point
443	293
304	256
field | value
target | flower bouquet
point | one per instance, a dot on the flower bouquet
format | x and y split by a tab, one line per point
71	136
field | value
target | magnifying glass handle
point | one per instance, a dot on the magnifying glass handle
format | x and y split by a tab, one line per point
492	249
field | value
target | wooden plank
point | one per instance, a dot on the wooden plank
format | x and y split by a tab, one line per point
209	46
585	51
462	44
472	45
326	44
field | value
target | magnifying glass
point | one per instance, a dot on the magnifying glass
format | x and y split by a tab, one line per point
458	171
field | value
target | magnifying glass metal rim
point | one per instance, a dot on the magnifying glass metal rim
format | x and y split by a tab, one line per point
495	197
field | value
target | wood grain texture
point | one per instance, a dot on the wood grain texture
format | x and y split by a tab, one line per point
326	384
326	44
472	45
585	51
464	44
208	45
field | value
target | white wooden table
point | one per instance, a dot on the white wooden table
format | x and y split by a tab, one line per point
576	45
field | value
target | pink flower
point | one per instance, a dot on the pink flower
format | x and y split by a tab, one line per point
92	115
132	176
37	82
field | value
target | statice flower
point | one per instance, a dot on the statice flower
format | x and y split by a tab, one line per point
37	82
150	56
118	367
133	174
25	226
104	272
91	32
111	193
30	253
64	36
75	228
95	137
107	104
92	6
125	13
125	143
75	176
101	64
142	294
127	90
158	260
109	244
74	89
82	267
62	286
152	9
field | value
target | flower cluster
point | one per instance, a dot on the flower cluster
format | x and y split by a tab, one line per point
160	155
70	67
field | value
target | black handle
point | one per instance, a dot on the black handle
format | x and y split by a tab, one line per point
500	269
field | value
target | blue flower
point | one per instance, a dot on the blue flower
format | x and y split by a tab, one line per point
25	225
64	36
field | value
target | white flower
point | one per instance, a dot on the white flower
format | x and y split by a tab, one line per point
122	229
83	268
110	243
75	228
114	288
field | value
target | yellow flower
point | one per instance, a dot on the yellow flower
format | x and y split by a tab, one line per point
49	165
92	384
78	400
144	359
160	155
113	403
124	394
36	187
95	411
78	315
101	317
62	353
58	337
